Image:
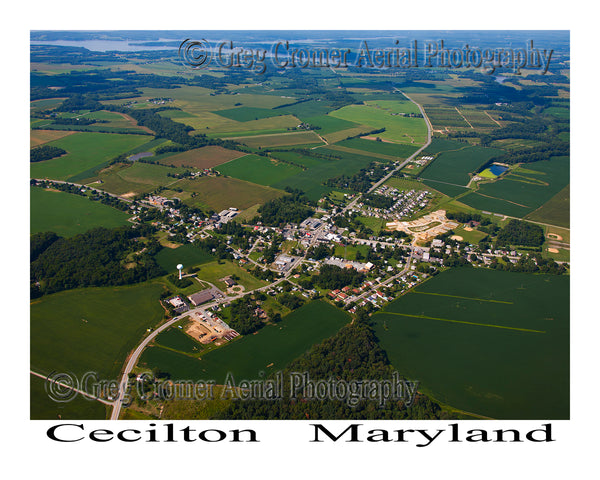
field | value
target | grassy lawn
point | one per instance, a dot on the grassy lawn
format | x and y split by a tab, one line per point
473	236
188	255
213	271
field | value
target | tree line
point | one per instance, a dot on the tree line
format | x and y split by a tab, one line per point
352	354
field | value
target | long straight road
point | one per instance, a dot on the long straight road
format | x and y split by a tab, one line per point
405	162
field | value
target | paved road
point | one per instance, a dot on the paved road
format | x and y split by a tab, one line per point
405	162
64	385
133	358
81	185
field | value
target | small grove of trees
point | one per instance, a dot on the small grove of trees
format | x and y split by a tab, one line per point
243	317
45	152
378	201
293	208
333	277
517	232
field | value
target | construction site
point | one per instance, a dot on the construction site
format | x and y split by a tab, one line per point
208	328
427	227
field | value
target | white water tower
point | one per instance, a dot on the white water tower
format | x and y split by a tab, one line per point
179	267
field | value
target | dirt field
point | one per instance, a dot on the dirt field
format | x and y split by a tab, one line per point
196	330
39	137
553	250
133	123
371	137
201	158
458	238
554	236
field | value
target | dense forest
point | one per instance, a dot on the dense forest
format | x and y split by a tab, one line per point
38	242
94	258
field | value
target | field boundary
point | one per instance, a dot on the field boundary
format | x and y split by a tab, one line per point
462	321
465	298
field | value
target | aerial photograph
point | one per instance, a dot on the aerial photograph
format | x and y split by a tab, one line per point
300	225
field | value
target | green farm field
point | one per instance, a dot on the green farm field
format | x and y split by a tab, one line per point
246	114
311	181
271	349
278	139
66	214
91	329
487	342
219	193
115	120
524	189
173	338
42	407
555	211
439	145
455	166
307	110
448	189
329	124
479	119
401	151
258	169
85	151
378	114
40	137
134	178
297	158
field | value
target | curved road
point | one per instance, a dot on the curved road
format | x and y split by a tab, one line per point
133	358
